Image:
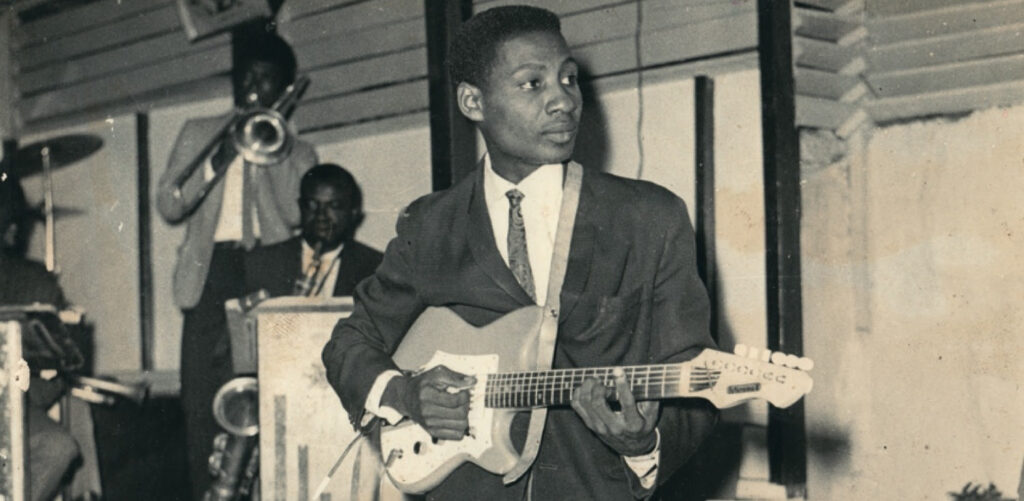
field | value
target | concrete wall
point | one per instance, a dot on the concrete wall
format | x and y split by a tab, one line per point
913	269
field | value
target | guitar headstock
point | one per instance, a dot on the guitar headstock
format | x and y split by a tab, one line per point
727	379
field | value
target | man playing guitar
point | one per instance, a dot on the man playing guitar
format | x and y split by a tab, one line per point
489	246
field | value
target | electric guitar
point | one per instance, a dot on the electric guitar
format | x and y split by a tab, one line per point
501	355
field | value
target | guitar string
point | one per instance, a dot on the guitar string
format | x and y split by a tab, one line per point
531	388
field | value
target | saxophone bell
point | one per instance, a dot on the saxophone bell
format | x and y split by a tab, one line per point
234	461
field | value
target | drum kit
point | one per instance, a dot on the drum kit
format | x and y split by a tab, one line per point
43	157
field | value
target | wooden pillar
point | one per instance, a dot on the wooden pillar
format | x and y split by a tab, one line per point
146	307
787	451
704	129
452	137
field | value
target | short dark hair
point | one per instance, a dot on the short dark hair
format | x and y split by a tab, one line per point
336	176
475	45
259	46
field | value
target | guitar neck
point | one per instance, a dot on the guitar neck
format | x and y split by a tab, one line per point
520	390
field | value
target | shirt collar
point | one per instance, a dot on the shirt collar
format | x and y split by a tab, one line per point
542	184
307	252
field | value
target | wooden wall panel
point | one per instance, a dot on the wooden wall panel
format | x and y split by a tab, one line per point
83	18
347	78
967	17
349	109
146	24
144	53
376	40
349	18
126	84
946	77
560	8
962	46
897	7
602	33
294	10
366	58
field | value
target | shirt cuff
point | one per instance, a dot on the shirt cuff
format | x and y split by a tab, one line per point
373	405
208	172
646	466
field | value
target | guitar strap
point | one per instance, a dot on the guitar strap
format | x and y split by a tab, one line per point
549	323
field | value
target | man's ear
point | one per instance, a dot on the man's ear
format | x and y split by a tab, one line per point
470	100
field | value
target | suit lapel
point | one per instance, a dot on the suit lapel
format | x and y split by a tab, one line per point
482	244
351	270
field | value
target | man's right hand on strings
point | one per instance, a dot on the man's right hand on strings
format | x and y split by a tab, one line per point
431	400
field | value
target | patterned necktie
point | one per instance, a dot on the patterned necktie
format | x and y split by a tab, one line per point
306	286
518	257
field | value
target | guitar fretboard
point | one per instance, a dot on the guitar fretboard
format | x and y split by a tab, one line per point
547	388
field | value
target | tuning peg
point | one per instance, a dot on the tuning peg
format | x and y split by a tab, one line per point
740	349
753	352
779	358
766	355
805	364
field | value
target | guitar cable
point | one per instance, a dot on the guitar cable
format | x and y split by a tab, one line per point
330	474
362	435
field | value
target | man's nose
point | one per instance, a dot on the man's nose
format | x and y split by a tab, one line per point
562	100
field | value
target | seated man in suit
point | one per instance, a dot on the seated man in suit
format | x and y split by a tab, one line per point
51	448
487	246
325	260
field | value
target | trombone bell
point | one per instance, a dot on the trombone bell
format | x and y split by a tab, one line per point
263	137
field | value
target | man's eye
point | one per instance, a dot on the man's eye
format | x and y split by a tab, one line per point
530	85
571	80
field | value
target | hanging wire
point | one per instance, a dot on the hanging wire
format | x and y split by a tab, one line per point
639	88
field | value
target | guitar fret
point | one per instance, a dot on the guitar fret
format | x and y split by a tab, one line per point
517	379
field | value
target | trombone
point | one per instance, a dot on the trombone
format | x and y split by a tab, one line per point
262	136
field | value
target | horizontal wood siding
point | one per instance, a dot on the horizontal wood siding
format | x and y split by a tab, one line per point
366	61
928	57
366	58
904	59
602	33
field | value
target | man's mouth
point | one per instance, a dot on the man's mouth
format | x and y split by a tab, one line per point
561	134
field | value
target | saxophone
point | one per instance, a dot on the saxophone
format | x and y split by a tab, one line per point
235	458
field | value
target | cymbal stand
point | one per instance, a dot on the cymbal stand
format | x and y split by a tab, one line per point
51	252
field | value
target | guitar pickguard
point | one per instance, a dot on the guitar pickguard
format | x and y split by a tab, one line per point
412	453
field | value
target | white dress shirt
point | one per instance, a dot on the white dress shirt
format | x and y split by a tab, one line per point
542	201
330	263
540	206
229	222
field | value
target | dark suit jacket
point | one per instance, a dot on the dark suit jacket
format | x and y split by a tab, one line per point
631	296
275	268
276	186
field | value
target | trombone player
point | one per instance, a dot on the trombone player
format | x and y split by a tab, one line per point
233	180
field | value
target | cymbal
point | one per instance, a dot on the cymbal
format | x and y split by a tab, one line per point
64	151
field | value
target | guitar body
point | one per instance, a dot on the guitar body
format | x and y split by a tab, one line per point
502	356
417	462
